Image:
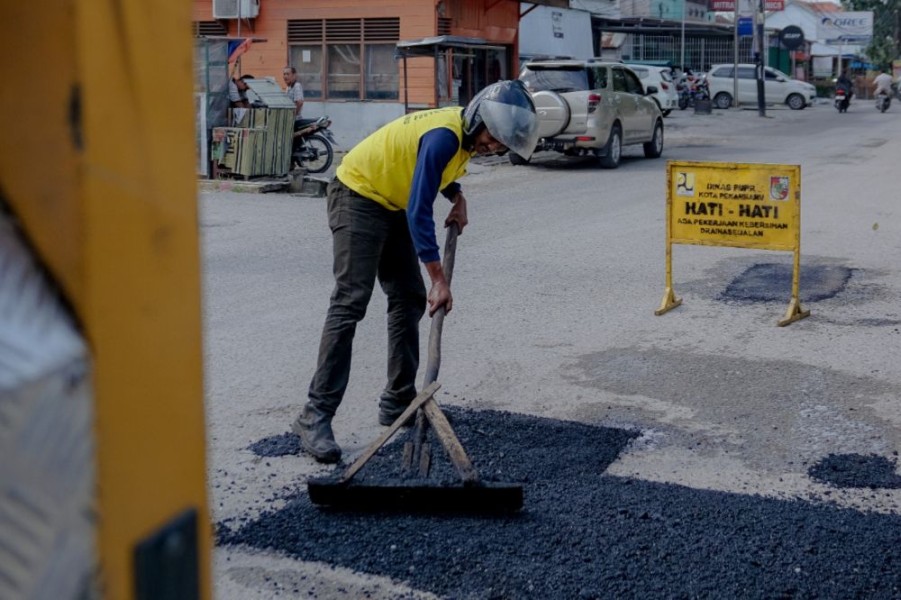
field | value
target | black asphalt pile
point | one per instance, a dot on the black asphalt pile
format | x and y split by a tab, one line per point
284	444
586	535
772	282
857	471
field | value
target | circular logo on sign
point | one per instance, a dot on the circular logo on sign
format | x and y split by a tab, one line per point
792	37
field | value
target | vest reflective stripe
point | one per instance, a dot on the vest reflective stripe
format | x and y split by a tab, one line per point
381	166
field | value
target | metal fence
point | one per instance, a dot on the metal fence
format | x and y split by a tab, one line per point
700	51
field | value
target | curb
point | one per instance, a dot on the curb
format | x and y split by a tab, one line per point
246	187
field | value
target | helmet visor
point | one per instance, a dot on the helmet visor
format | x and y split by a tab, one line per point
516	127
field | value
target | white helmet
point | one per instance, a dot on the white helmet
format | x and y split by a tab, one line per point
507	111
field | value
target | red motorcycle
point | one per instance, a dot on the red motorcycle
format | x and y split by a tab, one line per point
312	147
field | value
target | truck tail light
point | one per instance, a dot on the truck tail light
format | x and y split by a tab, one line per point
593	101
664	85
585	138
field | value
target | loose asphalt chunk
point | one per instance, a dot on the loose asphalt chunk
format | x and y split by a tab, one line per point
857	471
584	534
283	444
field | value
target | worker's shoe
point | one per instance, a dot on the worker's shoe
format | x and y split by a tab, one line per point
390	410
315	430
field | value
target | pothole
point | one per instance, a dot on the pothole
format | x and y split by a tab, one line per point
772	282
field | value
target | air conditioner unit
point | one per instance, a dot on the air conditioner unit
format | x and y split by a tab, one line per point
236	9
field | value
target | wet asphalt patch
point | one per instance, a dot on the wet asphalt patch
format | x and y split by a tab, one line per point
584	534
772	282
857	471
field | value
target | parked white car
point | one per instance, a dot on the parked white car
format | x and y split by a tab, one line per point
779	88
667	97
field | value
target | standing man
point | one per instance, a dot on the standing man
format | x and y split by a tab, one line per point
293	89
381	216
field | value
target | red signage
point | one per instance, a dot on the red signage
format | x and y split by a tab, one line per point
729	5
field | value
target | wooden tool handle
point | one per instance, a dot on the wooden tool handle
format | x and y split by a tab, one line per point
434	361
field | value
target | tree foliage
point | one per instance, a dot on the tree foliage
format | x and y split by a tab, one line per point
886	43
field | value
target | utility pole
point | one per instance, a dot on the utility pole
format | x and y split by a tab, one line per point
682	55
735	41
761	104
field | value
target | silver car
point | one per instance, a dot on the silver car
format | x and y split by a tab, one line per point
587	107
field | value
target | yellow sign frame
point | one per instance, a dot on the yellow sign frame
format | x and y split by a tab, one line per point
739	205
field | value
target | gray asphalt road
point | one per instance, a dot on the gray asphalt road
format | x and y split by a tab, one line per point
556	281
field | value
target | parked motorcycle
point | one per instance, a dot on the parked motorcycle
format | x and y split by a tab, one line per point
883	101
312	148
842	100
691	89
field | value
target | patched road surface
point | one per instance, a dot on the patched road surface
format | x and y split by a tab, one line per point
704	453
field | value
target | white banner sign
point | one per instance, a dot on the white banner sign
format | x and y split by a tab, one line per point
845	27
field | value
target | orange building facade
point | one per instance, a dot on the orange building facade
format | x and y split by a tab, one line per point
346	51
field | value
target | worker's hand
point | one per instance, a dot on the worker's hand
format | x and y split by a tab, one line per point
458	213
440	295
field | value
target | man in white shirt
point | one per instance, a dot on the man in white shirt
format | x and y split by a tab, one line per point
882	85
294	89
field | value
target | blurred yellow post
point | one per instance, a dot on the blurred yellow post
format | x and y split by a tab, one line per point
98	164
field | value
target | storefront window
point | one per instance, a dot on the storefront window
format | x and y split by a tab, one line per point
381	72
346	59
308	62
344	71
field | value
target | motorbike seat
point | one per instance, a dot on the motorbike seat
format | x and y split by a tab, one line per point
300	122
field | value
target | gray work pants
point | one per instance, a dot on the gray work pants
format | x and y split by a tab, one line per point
369	242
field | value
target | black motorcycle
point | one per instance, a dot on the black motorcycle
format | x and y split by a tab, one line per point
883	101
313	145
842	100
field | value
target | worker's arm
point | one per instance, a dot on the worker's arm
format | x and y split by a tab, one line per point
457	214
436	149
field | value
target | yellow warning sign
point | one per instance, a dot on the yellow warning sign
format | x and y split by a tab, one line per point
733	204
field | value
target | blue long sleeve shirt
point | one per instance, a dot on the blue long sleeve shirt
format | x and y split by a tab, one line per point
436	148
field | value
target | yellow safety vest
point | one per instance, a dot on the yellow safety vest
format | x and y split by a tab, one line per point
381	166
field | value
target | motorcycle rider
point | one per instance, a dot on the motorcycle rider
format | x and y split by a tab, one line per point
844	84
882	85
380	210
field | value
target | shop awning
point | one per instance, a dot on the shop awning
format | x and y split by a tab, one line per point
430	46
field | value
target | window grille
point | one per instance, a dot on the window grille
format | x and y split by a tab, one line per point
209	28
